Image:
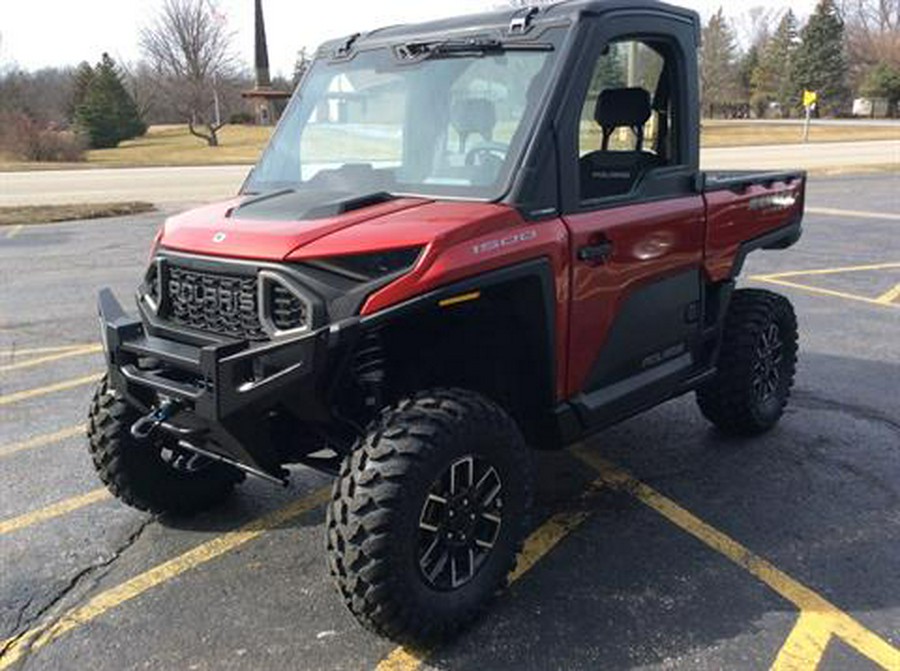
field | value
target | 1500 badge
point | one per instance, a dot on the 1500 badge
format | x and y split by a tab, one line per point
503	243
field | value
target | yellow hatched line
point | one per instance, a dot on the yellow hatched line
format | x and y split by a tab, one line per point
40	350
890	296
15	397
89	349
54	510
830	271
805	646
839	623
823	292
49	631
536	546
41	441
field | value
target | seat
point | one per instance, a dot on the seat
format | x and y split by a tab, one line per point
606	172
473	116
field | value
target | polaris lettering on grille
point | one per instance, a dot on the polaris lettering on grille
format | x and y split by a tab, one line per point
215	302
502	243
220	299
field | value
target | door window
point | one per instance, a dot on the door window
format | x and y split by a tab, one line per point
625	128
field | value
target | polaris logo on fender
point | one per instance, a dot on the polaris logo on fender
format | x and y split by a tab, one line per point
503	243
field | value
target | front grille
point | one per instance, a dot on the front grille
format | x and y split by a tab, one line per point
214	302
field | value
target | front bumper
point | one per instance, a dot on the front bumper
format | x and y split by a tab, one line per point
223	388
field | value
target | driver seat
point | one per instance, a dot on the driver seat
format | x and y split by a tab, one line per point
606	172
473	115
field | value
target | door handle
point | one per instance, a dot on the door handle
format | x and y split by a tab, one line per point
597	253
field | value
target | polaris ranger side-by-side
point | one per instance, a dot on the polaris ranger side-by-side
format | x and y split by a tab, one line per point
465	237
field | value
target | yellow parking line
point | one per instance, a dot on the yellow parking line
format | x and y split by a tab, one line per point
14	231
536	546
840	624
43	634
856	214
54	510
89	349
831	271
41	441
890	296
15	351
824	292
805	646
17	396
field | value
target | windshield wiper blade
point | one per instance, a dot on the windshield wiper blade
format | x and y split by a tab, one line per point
416	51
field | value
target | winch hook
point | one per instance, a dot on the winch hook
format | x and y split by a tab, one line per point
146	425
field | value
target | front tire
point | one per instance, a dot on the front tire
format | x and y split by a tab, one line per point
136	472
428	514
756	365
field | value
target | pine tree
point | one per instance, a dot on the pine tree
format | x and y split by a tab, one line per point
107	112
883	81
718	65
774	79
81	82
821	62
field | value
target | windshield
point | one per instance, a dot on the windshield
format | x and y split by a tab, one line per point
452	124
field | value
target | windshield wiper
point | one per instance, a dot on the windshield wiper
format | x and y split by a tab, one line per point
418	51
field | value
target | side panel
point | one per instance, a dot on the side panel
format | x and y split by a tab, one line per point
656	250
736	216
474	245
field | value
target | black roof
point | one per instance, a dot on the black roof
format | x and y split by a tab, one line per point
569	11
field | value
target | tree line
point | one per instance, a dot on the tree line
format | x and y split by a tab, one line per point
189	74
846	49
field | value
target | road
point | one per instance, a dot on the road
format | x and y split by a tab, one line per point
664	575
191	185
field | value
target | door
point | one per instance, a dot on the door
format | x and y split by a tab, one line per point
636	224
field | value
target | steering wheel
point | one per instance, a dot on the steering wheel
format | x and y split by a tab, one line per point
485	154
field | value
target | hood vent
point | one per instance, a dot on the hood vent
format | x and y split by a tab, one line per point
292	205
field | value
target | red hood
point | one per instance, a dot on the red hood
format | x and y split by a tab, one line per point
211	230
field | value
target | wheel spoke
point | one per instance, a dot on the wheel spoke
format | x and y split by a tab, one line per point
490	485
461	475
457	576
439	565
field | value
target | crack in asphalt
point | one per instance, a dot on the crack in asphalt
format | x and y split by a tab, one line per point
813	401
91	571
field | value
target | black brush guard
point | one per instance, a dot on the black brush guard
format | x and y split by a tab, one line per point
220	389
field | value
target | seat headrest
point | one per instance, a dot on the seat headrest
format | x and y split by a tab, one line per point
617	108
474	115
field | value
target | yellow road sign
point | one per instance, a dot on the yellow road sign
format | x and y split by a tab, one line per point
810	98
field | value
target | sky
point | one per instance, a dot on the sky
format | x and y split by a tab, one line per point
40	33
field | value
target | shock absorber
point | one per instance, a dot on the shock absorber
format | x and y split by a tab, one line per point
369	368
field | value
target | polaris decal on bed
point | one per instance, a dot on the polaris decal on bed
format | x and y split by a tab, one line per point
783	200
502	243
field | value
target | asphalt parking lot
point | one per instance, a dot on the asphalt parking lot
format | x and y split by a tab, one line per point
659	544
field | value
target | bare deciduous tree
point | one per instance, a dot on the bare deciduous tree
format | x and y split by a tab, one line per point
872	34
190	48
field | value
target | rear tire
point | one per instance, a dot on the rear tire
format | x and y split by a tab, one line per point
135	472
405	490
756	365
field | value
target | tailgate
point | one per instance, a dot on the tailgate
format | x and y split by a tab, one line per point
749	210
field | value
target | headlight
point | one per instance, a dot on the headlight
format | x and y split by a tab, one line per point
368	267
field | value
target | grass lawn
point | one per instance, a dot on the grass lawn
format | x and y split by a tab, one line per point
47	214
717	133
174	146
